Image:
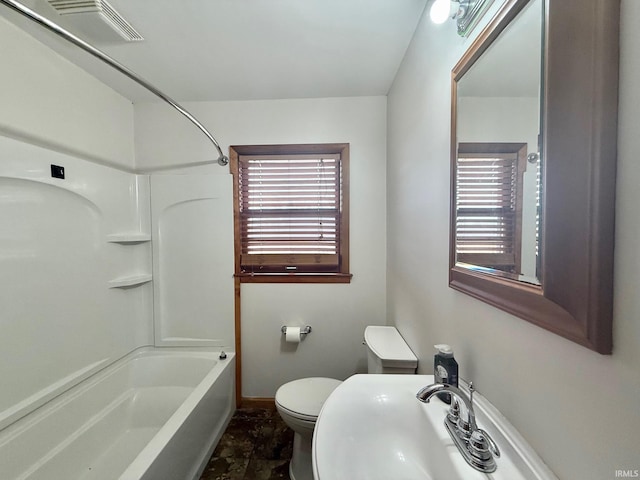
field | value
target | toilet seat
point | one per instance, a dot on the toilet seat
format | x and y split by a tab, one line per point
296	415
303	399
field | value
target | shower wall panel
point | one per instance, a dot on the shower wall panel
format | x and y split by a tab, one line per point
75	265
192	218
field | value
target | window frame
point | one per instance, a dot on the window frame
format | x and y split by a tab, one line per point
517	154
342	274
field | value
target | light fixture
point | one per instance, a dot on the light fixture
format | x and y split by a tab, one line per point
441	10
466	13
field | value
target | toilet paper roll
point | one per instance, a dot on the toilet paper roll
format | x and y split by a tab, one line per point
293	335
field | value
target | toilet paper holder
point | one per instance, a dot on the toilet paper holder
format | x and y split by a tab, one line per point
303	331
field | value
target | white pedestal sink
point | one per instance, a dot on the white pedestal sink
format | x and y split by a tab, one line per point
372	427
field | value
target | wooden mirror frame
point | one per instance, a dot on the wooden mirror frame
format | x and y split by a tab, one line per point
579	128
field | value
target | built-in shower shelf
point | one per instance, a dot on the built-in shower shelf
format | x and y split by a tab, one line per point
130	280
129	237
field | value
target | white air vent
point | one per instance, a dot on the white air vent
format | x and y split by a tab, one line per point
96	19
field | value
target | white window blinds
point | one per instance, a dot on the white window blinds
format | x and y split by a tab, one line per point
289	212
487	209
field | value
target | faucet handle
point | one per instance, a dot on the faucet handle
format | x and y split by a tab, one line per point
454	410
481	445
493	446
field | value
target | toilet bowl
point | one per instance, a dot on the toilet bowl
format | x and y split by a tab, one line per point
299	403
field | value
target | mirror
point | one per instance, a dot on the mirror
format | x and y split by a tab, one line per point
498	129
533	150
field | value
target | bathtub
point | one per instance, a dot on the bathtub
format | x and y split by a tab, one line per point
155	414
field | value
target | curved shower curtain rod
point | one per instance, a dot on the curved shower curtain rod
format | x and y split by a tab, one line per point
58	30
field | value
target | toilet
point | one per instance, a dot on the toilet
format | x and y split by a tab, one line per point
387	352
299	402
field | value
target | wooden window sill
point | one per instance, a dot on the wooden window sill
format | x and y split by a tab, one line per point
294	277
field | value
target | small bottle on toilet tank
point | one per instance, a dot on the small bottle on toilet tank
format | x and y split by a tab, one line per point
445	369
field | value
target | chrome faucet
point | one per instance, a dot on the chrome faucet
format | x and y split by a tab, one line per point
475	445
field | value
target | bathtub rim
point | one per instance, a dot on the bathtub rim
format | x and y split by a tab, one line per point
146	457
156	445
88	376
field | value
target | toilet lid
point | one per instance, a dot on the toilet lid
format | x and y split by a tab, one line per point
387	344
306	396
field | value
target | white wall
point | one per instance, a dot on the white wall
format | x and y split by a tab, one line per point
59	318
50	102
577	408
338	313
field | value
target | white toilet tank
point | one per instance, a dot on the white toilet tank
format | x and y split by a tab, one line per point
387	352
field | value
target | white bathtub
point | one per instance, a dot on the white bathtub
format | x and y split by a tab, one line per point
156	414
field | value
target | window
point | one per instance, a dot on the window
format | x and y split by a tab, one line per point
489	204
291	211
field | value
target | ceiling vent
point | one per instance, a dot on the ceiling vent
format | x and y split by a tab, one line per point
97	20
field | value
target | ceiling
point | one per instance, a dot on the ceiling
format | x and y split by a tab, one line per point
212	50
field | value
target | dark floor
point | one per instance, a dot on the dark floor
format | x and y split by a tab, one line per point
255	446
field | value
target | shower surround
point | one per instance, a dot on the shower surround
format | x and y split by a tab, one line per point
113	319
